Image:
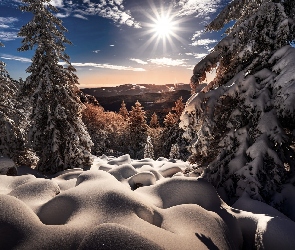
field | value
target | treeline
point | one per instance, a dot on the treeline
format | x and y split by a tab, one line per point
127	132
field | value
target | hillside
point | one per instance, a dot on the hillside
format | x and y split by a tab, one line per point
154	98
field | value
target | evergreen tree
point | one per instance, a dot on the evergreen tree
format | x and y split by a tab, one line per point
170	120
156	140
137	131
178	108
149	149
241	131
108	130
123	111
174	152
12	122
9	132
154	123
261	27
58	134
172	133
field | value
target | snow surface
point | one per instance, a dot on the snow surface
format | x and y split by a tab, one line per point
120	203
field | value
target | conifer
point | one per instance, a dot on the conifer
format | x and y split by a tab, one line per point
240	125
58	134
12	122
123	111
154	123
137	131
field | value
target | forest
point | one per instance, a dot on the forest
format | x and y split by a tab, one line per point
219	173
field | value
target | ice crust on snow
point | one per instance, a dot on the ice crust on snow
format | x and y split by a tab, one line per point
129	207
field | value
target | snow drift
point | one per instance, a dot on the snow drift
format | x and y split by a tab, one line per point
122	203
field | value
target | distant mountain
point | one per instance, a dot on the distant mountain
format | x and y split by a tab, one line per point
154	98
134	89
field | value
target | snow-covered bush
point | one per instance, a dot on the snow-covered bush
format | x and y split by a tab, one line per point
148	148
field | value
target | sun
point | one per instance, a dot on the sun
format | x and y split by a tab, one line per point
163	27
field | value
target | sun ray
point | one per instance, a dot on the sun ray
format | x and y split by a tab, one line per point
161	29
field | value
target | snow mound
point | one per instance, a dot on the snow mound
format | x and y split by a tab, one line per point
131	205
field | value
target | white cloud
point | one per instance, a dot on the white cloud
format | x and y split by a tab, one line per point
196	55
203	42
112	45
61	15
167	61
108	66
7	20
197	7
7	24
111	9
4	26
80	16
138	61
96	51
198	33
15	58
57	3
8	36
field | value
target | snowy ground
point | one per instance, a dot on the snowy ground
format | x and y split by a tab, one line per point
126	204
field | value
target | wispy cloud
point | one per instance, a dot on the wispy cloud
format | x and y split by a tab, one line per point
107	66
7	20
197	7
203	42
15	58
138	61
80	16
196	55
168	61
8	36
96	51
197	34
63	15
7	23
110	9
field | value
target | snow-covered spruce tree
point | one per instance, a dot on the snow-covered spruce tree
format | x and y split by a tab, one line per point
241	125
137	131
58	134
149	148
12	133
172	133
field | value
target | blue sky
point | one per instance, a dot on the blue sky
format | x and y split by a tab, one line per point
121	41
